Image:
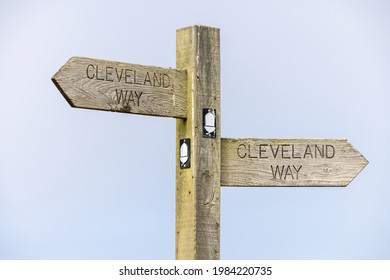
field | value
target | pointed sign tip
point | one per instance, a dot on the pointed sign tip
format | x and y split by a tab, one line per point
55	80
364	163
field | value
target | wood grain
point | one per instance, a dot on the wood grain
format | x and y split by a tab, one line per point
198	187
289	162
123	87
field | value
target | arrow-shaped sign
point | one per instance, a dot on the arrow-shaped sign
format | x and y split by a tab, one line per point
123	87
289	162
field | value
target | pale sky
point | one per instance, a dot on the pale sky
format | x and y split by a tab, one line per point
84	184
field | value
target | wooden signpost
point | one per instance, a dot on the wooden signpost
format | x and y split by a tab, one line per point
191	94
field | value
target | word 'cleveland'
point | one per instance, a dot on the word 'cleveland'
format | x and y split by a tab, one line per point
128	76
285	151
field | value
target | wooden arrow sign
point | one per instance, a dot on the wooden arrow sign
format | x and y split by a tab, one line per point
123	87
289	162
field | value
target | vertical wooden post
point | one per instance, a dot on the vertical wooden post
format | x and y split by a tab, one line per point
198	187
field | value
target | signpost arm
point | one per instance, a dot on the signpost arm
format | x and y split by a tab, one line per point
198	181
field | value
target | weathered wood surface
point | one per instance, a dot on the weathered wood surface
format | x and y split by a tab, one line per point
198	187
289	162
123	87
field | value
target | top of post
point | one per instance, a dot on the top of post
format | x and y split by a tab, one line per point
197	26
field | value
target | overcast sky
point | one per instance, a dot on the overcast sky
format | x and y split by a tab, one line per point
83	184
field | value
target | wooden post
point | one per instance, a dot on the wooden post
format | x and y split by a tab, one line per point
198	185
